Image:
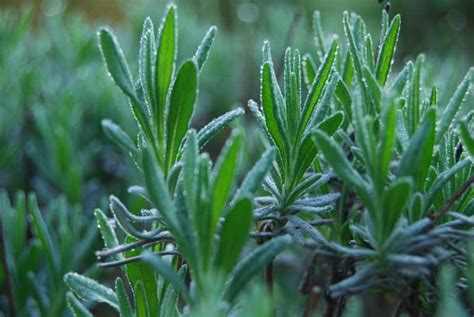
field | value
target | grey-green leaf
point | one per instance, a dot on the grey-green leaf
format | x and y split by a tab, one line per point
156	187
216	125
107	232
338	160
252	264
454	104
88	289
77	308
119	137
125	307
116	63
167	272
203	50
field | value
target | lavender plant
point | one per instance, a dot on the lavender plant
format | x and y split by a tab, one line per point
373	155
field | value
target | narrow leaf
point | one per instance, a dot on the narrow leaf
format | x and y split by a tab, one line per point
125	307
216	125
181	107
203	50
225	170
454	105
253	264
234	234
116	63
119	137
387	51
167	272
76	307
164	65
88	289
318	86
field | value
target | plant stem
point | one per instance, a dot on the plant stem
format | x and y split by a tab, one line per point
133	245
308	286
445	208
269	276
341	269
134	259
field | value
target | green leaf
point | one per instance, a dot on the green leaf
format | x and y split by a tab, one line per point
76	307
107	232
157	189
225	170
266	52
119	137
344	97
355	56
140	275
88	289
417	207
233	235
253	264
402	78
141	300
168	273
306	155
42	233
387	143
387	51
292	90
309	229
317	88
466	136
414	100
169	304
324	105
190	172
216	125
256	175
309	70
373	88
318	33
145	63
394	198
443	178
115	62
454	105
330	124
125	307
202	52
164	66
181	107
416	159
334	156
271	109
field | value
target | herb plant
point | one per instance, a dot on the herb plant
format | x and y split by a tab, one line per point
363	190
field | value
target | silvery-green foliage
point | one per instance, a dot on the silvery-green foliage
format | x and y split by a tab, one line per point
409	169
198	219
297	197
162	97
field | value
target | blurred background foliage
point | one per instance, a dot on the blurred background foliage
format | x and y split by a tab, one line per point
54	89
